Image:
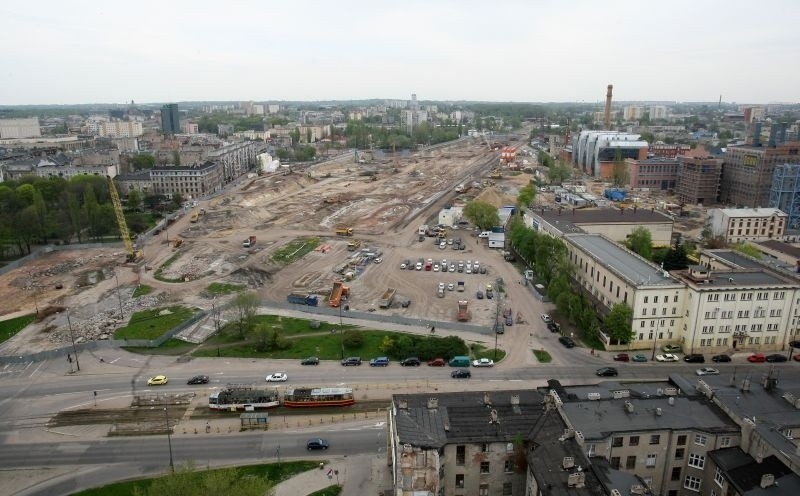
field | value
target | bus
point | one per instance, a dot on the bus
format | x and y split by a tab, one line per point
315	397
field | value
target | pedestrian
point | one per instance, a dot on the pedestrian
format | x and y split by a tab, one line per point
433	329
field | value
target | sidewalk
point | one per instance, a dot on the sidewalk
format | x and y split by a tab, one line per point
362	475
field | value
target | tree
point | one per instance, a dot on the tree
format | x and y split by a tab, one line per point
559	172
526	196
676	258
176	157
618	323
640	241
481	214
619	174
135	199
244	308
186	481
143	161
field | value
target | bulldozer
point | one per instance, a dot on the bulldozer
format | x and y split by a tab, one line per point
177	242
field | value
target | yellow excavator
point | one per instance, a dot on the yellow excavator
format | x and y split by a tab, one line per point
134	254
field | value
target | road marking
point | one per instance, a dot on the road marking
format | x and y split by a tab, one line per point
37	369
115	360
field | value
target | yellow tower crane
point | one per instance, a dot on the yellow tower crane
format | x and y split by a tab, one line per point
134	255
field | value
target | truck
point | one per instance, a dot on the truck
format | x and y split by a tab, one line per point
386	299
354	245
195	216
461	188
460	286
344	231
303	299
250	241
463	311
423	230
339	291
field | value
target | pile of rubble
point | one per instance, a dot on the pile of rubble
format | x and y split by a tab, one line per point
101	325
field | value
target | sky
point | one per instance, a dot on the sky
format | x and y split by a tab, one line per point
70	52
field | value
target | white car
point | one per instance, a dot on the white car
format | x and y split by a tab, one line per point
546	318
451	286
484	234
442	245
483	362
378	260
441	286
666	357
452	267
277	377
436	267
707	371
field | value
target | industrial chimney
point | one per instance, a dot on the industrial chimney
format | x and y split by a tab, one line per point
607	115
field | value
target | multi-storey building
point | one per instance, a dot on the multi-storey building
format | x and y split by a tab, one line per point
20	128
595	152
784	193
748	171
747	224
170	119
190	181
235	159
632	112
119	129
658	112
698	180
656	173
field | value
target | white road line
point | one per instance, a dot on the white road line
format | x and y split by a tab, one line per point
37	369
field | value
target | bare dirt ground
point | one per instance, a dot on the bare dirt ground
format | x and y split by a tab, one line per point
279	208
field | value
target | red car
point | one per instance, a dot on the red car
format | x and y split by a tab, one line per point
621	357
757	358
437	362
796	358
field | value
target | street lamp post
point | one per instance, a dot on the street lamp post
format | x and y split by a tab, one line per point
74	349
215	316
33	289
341	331
169	438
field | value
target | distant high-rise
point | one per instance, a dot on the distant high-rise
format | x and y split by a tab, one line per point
170	119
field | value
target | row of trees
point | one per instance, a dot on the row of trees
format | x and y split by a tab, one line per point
361	134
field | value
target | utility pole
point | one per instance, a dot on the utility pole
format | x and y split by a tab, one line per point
119	295
215	316
341	331
74	349
169	438
33	289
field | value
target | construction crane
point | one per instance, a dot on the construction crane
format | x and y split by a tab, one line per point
134	255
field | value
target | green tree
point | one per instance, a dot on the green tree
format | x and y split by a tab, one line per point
640	241
308	135
295	135
135	199
619	172
353	339
676	258
186	481
143	161
526	196
559	172
481	214
243	309
176	157
618	323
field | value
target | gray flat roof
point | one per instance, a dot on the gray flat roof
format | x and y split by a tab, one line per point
736	259
745	473
780	246
734	279
624	263
568	220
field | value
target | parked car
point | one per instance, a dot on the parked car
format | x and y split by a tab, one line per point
554	326
451	286
316	444
546	318
621	357
607	372
158	380
379	362
796	358
757	358
349	361
694	358
310	361
198	379
720	358
794	344
706	371
567	341
666	357
479	294
410	362
277	377
776	357
671	348
638	358
483	362
509	320
461	374
437	362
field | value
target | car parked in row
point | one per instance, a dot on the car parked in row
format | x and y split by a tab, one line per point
671	348
757	358
410	362
776	357
437	362
351	361
483	362
694	358
310	361
720	358
638	358
546	318
621	357
567	341
379	362
666	357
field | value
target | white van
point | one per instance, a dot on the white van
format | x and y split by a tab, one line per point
484	234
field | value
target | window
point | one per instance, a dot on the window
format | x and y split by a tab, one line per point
655	439
633	441
692	483
483	490
507	489
676	474
679	453
615	462
700	439
718	477
630	462
484	447
697	461
460	480
616	442
724	442
651	460
484	467
508	466
461	454
682	440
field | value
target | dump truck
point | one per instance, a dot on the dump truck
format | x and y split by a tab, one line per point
339	291
463	311
303	299
250	241
387	298
344	231
354	245
195	216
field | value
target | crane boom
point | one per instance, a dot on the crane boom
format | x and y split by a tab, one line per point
123	226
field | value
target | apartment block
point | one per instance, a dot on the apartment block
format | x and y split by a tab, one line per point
698	180
748	170
190	181
119	129
747	224
632	112
20	128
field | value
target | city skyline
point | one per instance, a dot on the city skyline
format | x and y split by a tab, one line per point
448	51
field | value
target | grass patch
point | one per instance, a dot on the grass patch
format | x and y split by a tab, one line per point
10	327
542	356
479	351
275	472
169	347
170	261
295	250
219	288
334	490
150	324
141	290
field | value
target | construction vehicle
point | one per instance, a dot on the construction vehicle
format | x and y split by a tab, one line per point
496	174
133	254
250	241
303	299
195	216
177	242
463	314
354	245
339	291
386	299
344	231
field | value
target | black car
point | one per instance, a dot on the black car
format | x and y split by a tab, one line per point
198	379
607	372
694	358
460	374
351	361
566	341
720	358
554	326
316	444
310	361
794	344
776	358
410	362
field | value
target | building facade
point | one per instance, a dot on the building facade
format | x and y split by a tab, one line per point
191	182
698	180
747	224
656	173
747	175
20	128
119	129
170	119
632	112
595	152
